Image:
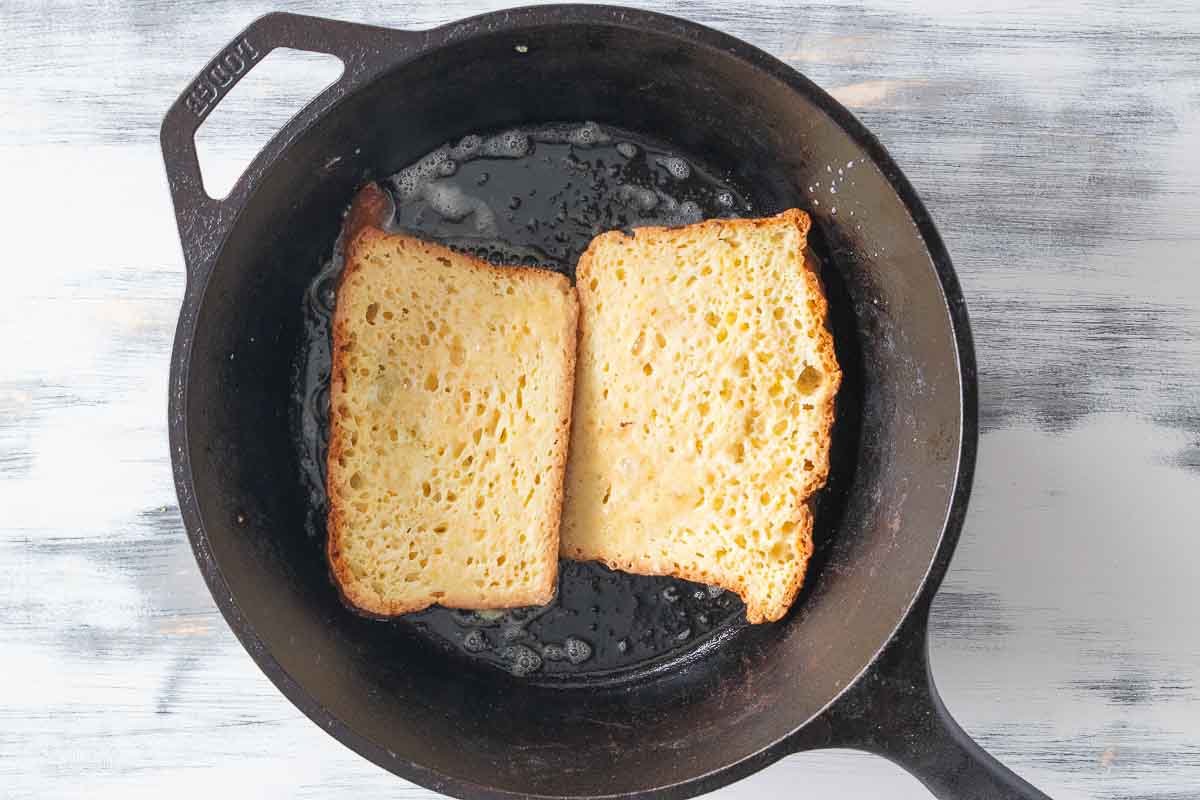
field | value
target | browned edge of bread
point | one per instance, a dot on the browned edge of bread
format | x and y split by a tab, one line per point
370	210
811	481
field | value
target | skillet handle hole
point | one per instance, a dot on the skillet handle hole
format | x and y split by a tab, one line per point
274	91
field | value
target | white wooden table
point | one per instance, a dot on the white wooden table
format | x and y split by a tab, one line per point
1058	148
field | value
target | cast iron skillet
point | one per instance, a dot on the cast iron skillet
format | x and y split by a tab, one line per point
847	668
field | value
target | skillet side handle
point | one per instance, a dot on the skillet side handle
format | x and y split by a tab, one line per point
363	50
894	711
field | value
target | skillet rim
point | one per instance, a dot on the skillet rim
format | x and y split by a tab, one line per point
422	44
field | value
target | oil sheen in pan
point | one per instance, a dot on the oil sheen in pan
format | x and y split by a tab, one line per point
537	196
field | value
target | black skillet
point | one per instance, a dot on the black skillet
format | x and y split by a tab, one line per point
848	667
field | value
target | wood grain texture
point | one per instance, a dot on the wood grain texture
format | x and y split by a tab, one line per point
1055	145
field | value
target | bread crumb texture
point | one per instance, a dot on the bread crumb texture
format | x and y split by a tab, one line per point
450	407
704	402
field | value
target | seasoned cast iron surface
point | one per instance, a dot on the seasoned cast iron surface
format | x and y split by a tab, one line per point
537	196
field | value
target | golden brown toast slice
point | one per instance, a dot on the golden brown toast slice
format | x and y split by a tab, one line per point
450	406
704	399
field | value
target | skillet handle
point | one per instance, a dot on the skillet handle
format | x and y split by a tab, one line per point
203	221
894	711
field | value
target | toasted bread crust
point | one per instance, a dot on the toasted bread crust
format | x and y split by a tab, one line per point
363	227
810	481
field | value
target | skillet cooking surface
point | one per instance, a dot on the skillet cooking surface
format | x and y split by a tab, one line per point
536	196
